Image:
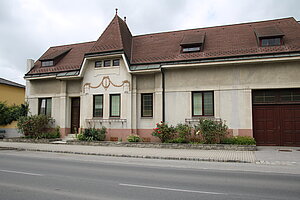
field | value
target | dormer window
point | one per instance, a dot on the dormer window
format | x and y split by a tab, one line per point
52	57
269	36
48	63
265	42
191	49
192	42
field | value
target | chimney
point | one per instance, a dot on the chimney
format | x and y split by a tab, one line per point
30	64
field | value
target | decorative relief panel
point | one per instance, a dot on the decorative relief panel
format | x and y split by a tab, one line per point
106	83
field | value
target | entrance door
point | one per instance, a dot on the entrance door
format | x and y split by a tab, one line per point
75	114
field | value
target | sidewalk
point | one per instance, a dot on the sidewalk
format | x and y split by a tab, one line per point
266	155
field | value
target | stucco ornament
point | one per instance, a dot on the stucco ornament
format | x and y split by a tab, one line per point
106	83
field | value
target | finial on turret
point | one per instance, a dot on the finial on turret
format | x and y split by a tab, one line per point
124	19
116	11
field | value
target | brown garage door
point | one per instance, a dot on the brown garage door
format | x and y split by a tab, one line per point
276	117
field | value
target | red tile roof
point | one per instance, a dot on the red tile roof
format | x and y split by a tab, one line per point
116	36
71	61
221	41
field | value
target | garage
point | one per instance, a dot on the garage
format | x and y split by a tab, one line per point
276	117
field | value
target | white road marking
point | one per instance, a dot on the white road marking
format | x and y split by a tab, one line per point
18	172
170	189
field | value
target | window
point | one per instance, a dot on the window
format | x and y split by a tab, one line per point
98	64
190	49
116	62
147	105
107	63
115	105
202	104
45	106
266	42
192	42
276	96
98	106
47	63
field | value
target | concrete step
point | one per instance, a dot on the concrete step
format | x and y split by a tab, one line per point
70	137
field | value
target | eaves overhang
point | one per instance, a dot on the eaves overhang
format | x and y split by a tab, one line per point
57	75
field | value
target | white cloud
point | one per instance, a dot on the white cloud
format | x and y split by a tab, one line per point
29	27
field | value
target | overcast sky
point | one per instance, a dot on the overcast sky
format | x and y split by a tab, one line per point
29	27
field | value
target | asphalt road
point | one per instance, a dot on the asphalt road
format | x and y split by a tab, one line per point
34	175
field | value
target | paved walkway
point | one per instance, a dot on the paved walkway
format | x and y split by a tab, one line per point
268	155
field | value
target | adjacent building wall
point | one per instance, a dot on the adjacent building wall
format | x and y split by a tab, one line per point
11	95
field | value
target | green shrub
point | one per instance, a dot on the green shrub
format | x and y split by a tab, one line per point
12	113
177	140
49	135
211	131
133	138
164	132
35	125
92	134
239	140
80	137
184	133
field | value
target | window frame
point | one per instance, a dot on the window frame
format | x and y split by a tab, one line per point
94	105
98	62
191	49
113	62
106	61
213	104
142	104
270	38
110	105
46	104
47	63
278	95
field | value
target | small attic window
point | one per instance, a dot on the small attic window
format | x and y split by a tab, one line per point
47	63
53	57
266	42
191	49
269	36
192	43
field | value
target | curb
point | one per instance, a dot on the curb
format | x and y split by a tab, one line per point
143	145
134	156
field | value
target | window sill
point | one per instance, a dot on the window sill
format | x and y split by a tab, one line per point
147	117
101	120
110	67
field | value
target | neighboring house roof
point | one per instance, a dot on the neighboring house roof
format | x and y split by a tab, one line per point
10	83
218	42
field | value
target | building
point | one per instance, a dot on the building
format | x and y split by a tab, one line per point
11	93
246	74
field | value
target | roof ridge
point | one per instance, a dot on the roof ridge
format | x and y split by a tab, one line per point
119	29
218	26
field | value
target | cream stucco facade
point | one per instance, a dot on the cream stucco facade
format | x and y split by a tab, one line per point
244	74
231	82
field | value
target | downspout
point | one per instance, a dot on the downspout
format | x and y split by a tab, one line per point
163	95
